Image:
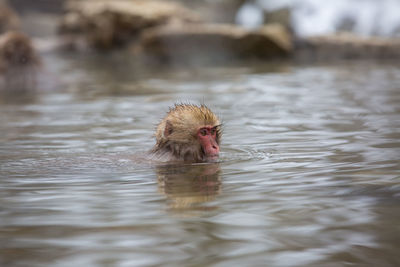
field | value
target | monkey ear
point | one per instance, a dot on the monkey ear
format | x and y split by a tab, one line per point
168	129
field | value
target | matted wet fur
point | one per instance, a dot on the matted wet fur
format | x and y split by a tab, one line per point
176	135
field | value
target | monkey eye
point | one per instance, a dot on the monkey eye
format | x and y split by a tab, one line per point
213	130
203	132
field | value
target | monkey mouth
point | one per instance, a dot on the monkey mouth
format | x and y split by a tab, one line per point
211	158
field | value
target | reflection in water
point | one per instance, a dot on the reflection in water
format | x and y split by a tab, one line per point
19	80
187	186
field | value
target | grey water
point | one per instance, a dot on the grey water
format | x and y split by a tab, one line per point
309	173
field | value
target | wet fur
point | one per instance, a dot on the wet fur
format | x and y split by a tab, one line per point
176	135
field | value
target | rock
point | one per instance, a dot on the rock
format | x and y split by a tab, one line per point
203	43
347	46
9	20
105	24
281	16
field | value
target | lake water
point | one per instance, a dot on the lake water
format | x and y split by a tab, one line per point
309	173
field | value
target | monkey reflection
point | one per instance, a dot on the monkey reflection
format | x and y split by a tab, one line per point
188	186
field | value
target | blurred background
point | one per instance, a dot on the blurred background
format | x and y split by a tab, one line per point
306	17
212	31
309	95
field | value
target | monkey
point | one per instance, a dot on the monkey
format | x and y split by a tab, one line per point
16	50
188	133
18	62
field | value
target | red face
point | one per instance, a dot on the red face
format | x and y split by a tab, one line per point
208	140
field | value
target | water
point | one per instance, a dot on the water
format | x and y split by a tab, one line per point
309	171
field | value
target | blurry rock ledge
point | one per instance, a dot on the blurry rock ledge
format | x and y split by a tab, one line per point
9	21
201	43
107	24
346	46
166	31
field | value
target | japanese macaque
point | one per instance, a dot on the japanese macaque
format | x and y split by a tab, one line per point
188	133
18	63
16	50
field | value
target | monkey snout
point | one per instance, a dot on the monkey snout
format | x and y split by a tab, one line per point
215	148
212	149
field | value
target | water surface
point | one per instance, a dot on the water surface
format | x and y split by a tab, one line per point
308	176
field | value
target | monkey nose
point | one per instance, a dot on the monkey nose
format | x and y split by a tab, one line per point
214	149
